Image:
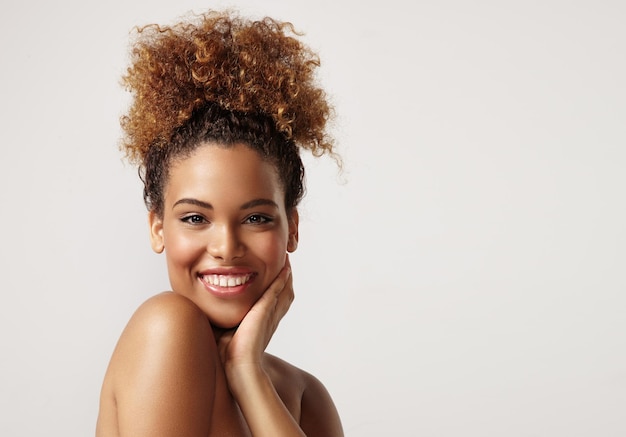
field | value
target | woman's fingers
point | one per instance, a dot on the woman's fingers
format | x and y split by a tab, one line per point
283	299
248	341
278	294
272	305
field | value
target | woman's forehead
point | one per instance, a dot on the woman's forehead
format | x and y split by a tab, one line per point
213	170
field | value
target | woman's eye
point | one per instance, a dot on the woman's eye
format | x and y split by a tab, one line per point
258	219
194	219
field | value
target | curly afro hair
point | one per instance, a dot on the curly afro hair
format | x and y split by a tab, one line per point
222	78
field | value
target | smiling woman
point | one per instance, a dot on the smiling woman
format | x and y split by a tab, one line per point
221	106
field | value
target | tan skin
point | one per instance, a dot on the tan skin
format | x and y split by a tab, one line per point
192	362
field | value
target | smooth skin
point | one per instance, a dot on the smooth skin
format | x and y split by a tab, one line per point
192	363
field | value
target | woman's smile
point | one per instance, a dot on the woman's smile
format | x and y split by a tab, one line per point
226	285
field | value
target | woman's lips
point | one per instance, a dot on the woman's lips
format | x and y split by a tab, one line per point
226	280
226	284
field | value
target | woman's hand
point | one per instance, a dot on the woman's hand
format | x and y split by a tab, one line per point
241	351
242	348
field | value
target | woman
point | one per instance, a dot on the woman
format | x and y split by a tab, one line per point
220	107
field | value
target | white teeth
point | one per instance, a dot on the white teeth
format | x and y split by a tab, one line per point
227	280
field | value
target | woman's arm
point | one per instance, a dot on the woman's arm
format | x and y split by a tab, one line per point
242	351
318	415
261	405
242	354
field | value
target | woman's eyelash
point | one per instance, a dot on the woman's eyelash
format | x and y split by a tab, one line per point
194	219
258	219
255	219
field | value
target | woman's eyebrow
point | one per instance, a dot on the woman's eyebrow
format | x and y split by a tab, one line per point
259	202
191	201
206	205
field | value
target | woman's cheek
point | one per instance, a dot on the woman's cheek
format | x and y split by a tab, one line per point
273	251
183	249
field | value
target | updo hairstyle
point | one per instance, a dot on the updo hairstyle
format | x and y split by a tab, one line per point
219	78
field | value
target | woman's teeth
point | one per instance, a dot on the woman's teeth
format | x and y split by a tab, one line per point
227	280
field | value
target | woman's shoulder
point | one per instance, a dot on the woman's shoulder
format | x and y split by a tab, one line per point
161	326
305	394
162	372
167	307
286	377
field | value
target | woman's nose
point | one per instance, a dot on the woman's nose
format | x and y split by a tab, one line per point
224	243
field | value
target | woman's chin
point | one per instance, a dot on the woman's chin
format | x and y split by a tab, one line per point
224	326
226	323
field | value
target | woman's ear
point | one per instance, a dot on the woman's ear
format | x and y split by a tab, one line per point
156	232
292	242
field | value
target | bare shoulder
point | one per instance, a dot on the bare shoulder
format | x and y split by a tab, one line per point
306	397
167	308
159	375
163	330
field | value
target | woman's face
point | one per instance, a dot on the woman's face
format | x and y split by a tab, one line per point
225	230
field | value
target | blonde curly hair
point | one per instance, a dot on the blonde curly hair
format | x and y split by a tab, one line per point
220	77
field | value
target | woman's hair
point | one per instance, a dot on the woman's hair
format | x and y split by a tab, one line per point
224	79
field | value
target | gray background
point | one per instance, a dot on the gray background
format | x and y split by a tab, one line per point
464	275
